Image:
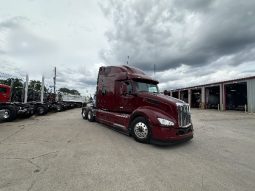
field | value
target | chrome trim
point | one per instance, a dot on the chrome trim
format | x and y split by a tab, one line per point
119	125
184	117
186	126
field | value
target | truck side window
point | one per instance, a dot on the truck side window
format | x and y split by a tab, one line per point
129	87
2	90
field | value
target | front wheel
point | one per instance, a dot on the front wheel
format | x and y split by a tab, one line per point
10	113
141	130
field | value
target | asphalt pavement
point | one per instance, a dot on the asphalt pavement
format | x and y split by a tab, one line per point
61	151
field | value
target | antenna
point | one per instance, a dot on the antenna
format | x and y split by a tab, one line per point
154	69
127	59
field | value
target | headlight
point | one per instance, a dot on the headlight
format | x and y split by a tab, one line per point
165	122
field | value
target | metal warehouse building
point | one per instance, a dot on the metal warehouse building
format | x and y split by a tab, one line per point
238	94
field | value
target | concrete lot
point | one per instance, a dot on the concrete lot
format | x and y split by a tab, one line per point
61	151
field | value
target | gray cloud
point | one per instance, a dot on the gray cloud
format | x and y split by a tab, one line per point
190	42
12	22
25	44
35	41
172	33
82	77
200	5
27	51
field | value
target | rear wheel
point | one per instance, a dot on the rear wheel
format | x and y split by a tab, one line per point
141	130
41	110
59	108
28	114
91	118
10	113
84	114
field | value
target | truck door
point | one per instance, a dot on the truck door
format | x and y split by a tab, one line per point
127	99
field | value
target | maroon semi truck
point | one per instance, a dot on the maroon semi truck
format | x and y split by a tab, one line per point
128	100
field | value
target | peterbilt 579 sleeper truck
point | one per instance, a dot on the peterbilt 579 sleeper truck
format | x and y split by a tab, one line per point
128	100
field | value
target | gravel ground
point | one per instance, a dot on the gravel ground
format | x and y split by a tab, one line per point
61	151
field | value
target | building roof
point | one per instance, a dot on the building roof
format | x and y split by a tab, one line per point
216	83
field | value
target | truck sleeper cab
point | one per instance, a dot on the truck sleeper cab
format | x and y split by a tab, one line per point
128	100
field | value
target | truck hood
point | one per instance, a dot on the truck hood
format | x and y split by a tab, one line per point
160	98
162	102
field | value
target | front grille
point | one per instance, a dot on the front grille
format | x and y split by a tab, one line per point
184	118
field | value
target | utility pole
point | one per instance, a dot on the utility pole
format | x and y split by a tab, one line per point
54	79
26	89
127	59
42	89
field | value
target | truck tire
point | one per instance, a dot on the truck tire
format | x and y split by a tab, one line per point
59	108
91	118
41	110
84	114
28	114
10	113
141	130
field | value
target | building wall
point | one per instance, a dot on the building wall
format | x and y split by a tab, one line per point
251	95
222	97
202	97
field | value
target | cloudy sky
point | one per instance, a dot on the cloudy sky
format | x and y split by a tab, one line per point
189	42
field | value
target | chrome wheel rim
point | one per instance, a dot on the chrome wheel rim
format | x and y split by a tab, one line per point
141	130
83	114
6	114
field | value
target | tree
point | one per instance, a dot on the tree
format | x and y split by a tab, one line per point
36	85
17	88
74	92
64	90
17	83
68	91
34	90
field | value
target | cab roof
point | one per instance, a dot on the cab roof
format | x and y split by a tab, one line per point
131	72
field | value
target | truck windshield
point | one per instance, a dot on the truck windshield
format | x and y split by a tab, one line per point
146	87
